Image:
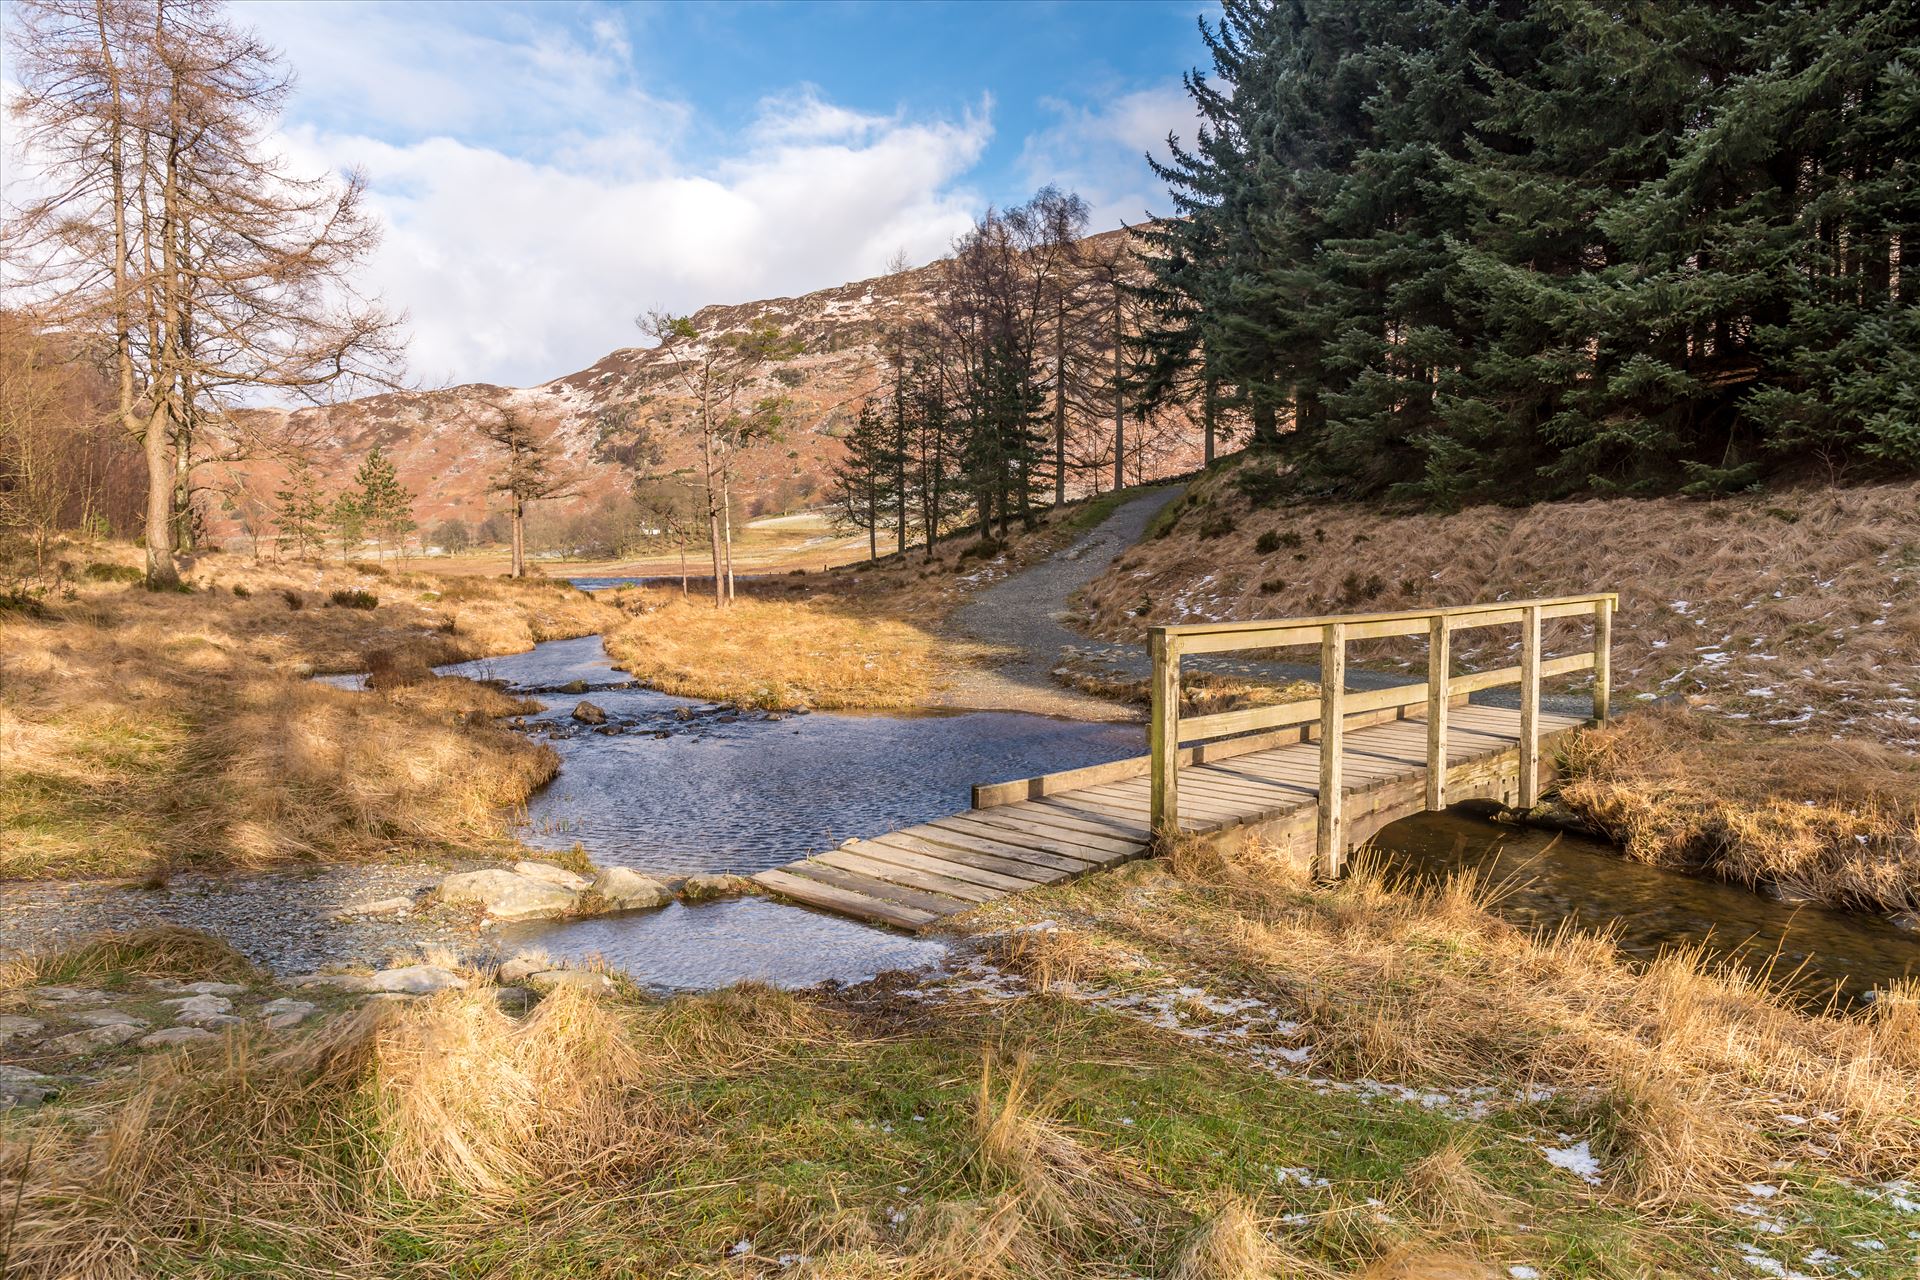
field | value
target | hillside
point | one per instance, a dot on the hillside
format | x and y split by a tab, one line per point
1795	610
432	436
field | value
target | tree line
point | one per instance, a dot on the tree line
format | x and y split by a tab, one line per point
1514	249
1024	385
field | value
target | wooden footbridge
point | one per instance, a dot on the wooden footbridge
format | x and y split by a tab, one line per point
1262	771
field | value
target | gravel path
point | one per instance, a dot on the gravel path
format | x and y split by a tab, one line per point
1019	628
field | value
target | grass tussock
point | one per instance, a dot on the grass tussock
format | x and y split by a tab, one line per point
146	732
150	951
774	654
1831	822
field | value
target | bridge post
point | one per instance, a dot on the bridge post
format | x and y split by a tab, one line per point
1439	667
1602	658
1332	832
1163	734
1530	707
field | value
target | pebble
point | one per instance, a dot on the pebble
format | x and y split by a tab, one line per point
382	907
287	1012
93	1039
417	979
176	1035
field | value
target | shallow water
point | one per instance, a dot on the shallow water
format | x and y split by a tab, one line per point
1543	880
689	786
715	944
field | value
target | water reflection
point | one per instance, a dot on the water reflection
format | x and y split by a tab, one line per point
1545	880
681	948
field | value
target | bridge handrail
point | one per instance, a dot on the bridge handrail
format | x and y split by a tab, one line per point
1168	644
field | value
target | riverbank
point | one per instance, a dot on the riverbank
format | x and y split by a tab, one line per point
1197	1066
147	733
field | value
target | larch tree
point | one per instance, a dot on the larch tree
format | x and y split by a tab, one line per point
718	372
864	477
528	471
166	223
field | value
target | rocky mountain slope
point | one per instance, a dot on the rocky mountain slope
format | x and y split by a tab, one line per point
433	435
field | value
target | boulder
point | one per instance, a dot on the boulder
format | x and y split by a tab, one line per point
216	988
573	686
94	1039
506	895
586	713
578	979
625	889
514	1000
15	1027
287	1012
109	1018
66	995
20	1087
167	1036
200	1009
418	979
382	907
705	888
547	873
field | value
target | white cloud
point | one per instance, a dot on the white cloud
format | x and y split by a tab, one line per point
1096	149
517	270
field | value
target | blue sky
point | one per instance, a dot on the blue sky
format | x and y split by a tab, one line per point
545	171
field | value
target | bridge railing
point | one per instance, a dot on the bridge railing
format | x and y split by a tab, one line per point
1335	705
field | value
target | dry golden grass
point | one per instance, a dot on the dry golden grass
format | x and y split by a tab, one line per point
1835	822
148	731
1201	692
1686	1067
151	951
775	654
1800	607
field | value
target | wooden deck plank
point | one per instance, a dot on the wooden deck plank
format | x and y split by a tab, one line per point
905	852
815	894
1014	868
1102	847
1045	841
848	860
934	904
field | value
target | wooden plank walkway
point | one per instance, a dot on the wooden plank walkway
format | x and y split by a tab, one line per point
913	877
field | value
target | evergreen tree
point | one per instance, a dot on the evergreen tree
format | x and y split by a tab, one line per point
385	509
348	522
862	484
300	511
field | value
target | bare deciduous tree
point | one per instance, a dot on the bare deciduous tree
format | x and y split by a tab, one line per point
528	472
718	372
168	225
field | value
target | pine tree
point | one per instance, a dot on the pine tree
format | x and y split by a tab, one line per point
300	510
385	509
864	476
348	522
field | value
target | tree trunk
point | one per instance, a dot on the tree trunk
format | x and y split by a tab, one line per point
1060	401
1207	410
873	521
519	538
1119	403
161	572
713	523
726	525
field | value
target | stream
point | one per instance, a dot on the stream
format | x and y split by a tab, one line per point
688	786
